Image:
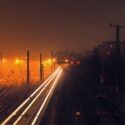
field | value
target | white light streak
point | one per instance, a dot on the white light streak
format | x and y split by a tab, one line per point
47	97
27	100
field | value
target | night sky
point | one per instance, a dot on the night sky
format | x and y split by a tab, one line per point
57	24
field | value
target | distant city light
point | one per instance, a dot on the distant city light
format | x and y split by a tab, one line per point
49	61
108	53
17	61
78	62
66	60
72	62
54	60
14	69
4	60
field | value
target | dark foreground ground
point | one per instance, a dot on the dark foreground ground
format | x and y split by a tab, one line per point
79	101
11	97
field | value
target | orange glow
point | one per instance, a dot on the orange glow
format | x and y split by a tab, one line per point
49	61
66	60
13	71
17	61
54	60
4	60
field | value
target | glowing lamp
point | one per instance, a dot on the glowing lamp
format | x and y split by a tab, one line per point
78	62
66	60
17	61
4	60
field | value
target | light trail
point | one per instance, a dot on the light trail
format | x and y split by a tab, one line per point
47	97
44	83
27	100
24	112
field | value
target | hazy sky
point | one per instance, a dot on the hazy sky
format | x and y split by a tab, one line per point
57	24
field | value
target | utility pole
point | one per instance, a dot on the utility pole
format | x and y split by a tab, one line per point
52	59
28	68
41	67
117	54
1	59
